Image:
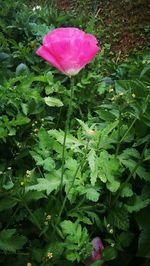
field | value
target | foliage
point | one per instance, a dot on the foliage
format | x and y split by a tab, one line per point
105	187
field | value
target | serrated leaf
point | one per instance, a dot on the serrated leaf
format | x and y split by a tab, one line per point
130	152
92	160
113	186
72	256
92	194
21	68
137	203
56	248
40	29
109	168
68	227
34	195
127	191
7	204
53	102
83	125
144	244
109	253
50	183
125	239
10	241
8	185
119	218
71	141
143	174
105	135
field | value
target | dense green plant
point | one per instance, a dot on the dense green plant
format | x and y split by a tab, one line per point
105	189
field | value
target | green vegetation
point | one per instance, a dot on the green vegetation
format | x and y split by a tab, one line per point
105	189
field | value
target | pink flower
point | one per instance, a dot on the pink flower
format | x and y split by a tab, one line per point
68	49
96	251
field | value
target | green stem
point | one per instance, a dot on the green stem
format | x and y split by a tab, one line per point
32	215
66	131
16	253
132	124
119	126
72	183
125	134
131	173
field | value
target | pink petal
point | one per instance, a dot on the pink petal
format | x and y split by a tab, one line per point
96	251
97	248
45	53
69	49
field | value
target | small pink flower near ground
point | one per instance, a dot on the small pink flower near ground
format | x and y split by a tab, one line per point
97	248
68	49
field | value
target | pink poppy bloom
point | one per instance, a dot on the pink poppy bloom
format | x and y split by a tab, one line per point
68	49
97	248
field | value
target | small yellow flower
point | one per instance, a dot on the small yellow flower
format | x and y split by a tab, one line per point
110	90
48	217
111	231
90	132
22	183
49	255
133	95
108	225
29	264
112	245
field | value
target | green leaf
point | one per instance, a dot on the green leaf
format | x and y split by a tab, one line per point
21	68
118	217
144	244
56	248
53	102
130	152
71	141
127	191
72	256
125	239
109	253
105	135
112	184
34	195
136	203
40	29
143	174
68	227
7	204
143	218
83	125
109	168
8	185
50	183
92	160
92	194
10	241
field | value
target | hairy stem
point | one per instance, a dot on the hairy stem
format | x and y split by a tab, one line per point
66	131
32	215
71	186
119	125
125	134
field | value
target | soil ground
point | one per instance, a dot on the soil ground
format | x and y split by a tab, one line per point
124	24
